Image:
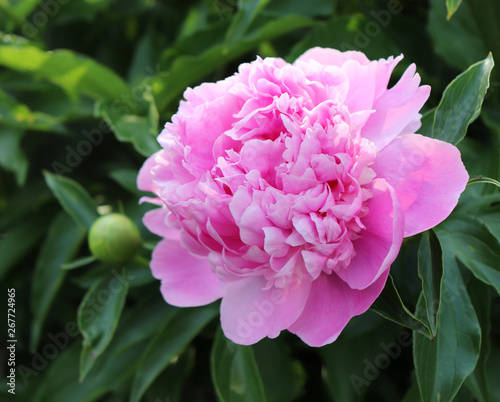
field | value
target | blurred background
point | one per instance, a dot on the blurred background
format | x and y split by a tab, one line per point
85	88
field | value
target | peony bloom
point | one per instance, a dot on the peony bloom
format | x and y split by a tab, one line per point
287	189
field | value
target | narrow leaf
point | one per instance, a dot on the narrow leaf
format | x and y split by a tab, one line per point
171	340
235	373
73	198
444	363
98	316
62	242
12	157
430	270
461	102
480	296
16	242
247	11
389	305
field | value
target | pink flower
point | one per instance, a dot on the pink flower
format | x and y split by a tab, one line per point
286	190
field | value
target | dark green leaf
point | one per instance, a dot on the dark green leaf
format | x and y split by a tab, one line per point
117	364
12	157
235	373
283	378
247	11
430	270
457	40
130	128
188	69
353	363
461	102
480	296
444	363
171	340
127	178
16	243
472	243
62	242
98	316
389	305
73	198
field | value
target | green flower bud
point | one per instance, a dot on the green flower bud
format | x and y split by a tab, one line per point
114	238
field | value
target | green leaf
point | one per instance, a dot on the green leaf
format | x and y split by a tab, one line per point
171	340
98	317
73	198
389	305
62	242
430	270
247	11
127	178
480	296
458	40
15	114
461	102
16	243
137	130
72	72
452	7
347	32
282	377
235	373
118	362
323	8
444	363
472	243
187	70
12	157
354	362
19	8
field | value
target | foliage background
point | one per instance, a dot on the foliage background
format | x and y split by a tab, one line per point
85	86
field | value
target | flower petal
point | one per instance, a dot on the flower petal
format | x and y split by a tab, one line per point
428	176
395	109
186	280
379	244
330	306
249	312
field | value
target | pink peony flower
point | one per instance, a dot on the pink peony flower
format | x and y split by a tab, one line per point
287	189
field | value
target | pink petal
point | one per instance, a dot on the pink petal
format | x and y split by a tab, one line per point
145	176
395	109
250	313
330	306
380	242
428	176
332	57
186	280
154	220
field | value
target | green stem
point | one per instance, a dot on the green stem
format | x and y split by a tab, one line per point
481	179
